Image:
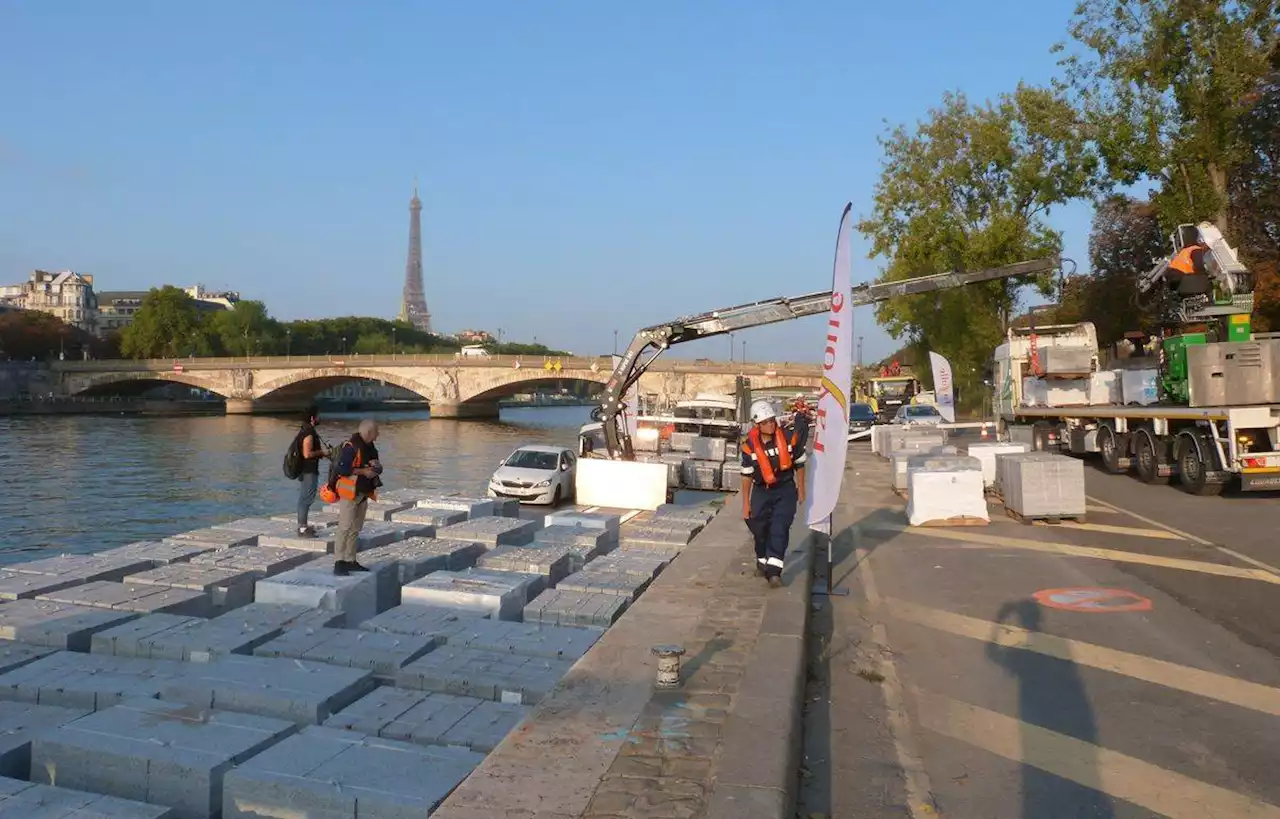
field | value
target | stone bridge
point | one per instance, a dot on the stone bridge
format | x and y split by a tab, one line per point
454	387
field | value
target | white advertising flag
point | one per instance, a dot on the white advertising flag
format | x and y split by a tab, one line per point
831	426
943	387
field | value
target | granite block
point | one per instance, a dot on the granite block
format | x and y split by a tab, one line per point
142	599
489	675
19	722
161	552
492	532
30	800
84	567
290	689
382	653
85	681
56	625
227	588
576	609
502	595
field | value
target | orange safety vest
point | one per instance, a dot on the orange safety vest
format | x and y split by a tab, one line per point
1183	261
346	486
756	446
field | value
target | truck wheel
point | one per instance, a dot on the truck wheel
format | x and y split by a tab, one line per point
1147	460
1109	447
1040	436
1194	462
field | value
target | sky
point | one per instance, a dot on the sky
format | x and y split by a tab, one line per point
584	167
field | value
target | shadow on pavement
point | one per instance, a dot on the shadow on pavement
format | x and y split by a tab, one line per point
1051	696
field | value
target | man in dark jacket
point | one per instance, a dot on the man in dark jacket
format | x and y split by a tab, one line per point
355	482
312	449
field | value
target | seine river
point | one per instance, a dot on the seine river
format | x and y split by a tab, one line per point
83	483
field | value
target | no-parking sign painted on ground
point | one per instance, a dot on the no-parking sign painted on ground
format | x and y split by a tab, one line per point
1091	599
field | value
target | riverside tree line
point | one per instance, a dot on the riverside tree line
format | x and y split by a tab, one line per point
1179	100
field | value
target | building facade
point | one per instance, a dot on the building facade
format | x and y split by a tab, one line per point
116	308
67	295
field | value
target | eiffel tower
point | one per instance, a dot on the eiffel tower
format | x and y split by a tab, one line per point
413	305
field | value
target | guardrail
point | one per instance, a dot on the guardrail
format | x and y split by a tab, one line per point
602	364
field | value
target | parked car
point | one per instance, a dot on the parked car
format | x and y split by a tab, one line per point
535	474
861	418
918	414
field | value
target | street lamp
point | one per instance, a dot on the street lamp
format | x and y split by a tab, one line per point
731	346
344	345
288	344
393	342
744	351
615	342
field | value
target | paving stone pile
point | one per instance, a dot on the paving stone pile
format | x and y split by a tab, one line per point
226	671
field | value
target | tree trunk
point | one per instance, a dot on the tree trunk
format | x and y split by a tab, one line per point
1218	178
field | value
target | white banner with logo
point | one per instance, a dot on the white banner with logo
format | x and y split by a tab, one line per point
944	392
831	426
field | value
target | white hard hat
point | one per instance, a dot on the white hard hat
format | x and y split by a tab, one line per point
762	410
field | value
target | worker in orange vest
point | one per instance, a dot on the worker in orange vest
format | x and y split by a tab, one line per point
1187	273
772	485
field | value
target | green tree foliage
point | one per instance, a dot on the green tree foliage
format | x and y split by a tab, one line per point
29	334
969	188
1255	198
167	325
1165	86
245	330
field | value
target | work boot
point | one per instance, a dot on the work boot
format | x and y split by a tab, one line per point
775	582
353	566
759	569
306	531
341	568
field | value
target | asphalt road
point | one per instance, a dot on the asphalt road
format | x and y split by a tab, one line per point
1125	667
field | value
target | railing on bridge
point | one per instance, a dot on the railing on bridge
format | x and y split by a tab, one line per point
602	364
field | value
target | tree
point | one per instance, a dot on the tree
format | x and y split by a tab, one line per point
1255	198
1164	86
167	325
246	329
30	334
968	189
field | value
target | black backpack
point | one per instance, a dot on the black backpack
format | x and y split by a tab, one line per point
293	458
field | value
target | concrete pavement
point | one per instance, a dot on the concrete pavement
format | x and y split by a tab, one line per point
978	673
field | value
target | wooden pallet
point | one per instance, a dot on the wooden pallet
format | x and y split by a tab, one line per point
902	493
1052	520
960	521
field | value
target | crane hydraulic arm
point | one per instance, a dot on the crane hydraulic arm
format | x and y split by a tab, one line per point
658	338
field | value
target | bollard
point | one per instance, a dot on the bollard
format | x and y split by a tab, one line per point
668	665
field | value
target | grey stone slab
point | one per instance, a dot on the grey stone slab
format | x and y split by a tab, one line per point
486	726
489	675
160	552
142	599
85	681
236	632
30	800
506	507
426	516
322	543
19	722
528	639
659	530
16	586
296	690
227	588
587	520
260	561
85	567
551	561
324	772
491	531
699	513
420	556
259	526
645	564
668	550
154	751
318	519
57	625
474	507
220	538
406	494
603	581
126	639
15	655
502	595
315	585
431	718
595	538
382	653
415	619
576	609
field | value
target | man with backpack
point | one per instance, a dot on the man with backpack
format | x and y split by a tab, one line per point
302	463
353	482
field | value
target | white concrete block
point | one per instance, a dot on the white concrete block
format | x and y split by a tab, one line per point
474	507
587	520
160	553
492	532
141	599
501	595
228	588
356	594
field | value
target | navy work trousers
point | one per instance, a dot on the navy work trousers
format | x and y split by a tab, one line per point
772	511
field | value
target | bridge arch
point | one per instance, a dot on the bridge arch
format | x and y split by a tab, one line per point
495	389
301	386
103	383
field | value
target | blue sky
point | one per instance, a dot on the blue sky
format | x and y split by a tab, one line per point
584	167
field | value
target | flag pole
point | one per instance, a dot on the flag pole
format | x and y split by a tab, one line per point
827	588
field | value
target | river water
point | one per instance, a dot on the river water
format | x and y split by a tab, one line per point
82	483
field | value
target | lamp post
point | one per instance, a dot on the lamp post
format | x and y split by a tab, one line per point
393	342
288	344
731	346
615	342
744	351
344	345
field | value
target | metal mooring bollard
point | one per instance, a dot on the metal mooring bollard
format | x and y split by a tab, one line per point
668	664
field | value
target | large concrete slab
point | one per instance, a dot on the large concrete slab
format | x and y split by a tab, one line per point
604	581
586	520
259	526
529	639
227	588
506	507
56	625
501	595
383	653
15	655
645	564
16	586
575	609
474	507
430	718
420	556
492	532
318	519
19	723
598	541
85	681
421	620
128	639
551	561
377	533
30	800
84	567
489	675
201	641
303	692
434	518
322	543
160	552
315	585
142	599
154	751
323	772
260	561
219	538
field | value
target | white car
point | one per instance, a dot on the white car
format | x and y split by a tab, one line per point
535	474
926	414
